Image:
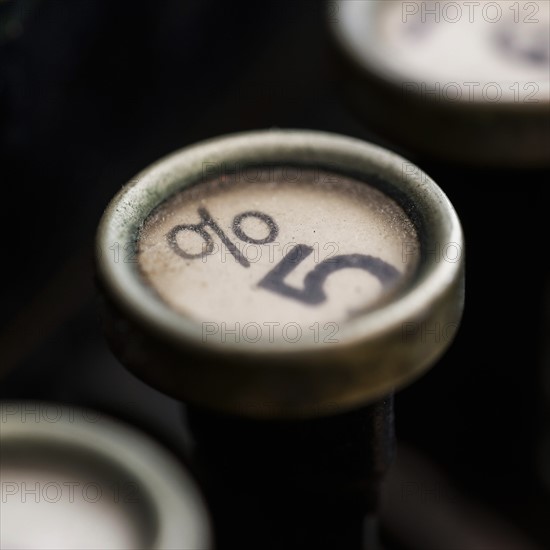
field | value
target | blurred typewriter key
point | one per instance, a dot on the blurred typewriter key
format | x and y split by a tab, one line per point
281	283
462	81
72	478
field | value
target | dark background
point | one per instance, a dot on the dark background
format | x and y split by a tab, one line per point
92	91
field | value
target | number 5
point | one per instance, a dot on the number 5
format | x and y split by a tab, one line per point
313	293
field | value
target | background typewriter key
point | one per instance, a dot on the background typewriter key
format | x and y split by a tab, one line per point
455	80
74	479
280	287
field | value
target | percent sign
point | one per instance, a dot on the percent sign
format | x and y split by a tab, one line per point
312	292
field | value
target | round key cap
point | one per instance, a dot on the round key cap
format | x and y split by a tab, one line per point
72	478
269	266
466	81
278	273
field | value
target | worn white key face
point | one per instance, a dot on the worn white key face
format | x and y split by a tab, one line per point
457	51
47	509
277	255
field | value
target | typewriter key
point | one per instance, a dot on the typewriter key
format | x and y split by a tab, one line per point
74	479
283	284
463	81
268	274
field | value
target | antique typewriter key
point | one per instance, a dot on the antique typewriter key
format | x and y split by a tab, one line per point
462	81
282	283
71	478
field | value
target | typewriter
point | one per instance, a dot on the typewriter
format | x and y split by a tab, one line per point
275	275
